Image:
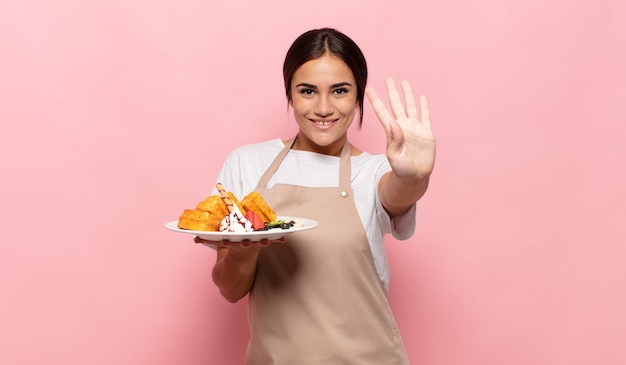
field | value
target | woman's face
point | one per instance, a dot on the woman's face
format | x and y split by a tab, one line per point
324	101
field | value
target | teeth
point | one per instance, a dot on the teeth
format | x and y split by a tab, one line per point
323	123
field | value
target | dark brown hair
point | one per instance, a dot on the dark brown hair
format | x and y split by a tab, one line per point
314	44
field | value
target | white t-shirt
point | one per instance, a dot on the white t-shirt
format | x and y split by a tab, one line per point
244	167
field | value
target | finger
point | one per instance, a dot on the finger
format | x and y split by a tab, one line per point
245	243
280	240
262	243
197	239
424	111
397	135
394	99
379	108
265	242
409	99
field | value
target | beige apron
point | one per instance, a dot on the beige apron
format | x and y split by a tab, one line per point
317	299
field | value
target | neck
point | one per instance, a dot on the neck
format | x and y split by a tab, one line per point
333	149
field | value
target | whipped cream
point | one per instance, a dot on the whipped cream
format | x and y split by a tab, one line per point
236	222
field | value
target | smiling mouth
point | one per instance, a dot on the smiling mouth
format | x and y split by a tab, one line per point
323	123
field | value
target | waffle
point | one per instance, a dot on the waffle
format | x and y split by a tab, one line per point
255	202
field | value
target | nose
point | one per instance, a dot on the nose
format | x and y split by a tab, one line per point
323	107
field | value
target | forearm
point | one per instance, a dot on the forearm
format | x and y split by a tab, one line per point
398	194
234	272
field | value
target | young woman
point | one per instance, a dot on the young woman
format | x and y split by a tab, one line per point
320	297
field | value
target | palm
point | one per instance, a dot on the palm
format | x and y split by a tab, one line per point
410	140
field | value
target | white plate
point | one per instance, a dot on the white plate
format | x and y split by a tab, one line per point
302	224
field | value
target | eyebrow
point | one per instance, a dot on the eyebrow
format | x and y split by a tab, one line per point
333	86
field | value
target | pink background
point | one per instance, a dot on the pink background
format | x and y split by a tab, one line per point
114	117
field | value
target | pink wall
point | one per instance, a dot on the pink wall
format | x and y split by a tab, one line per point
110	117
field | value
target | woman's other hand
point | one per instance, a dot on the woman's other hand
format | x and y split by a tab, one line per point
243	244
235	266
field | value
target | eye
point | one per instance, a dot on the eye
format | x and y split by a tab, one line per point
306	91
341	91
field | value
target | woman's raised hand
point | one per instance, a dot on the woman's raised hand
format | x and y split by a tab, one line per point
410	140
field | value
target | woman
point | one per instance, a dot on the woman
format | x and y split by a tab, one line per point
320	297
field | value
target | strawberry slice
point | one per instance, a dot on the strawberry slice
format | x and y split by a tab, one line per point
257	221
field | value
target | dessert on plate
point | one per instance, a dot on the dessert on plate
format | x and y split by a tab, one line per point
225	213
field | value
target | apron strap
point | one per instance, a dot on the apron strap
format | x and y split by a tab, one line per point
274	165
345	172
